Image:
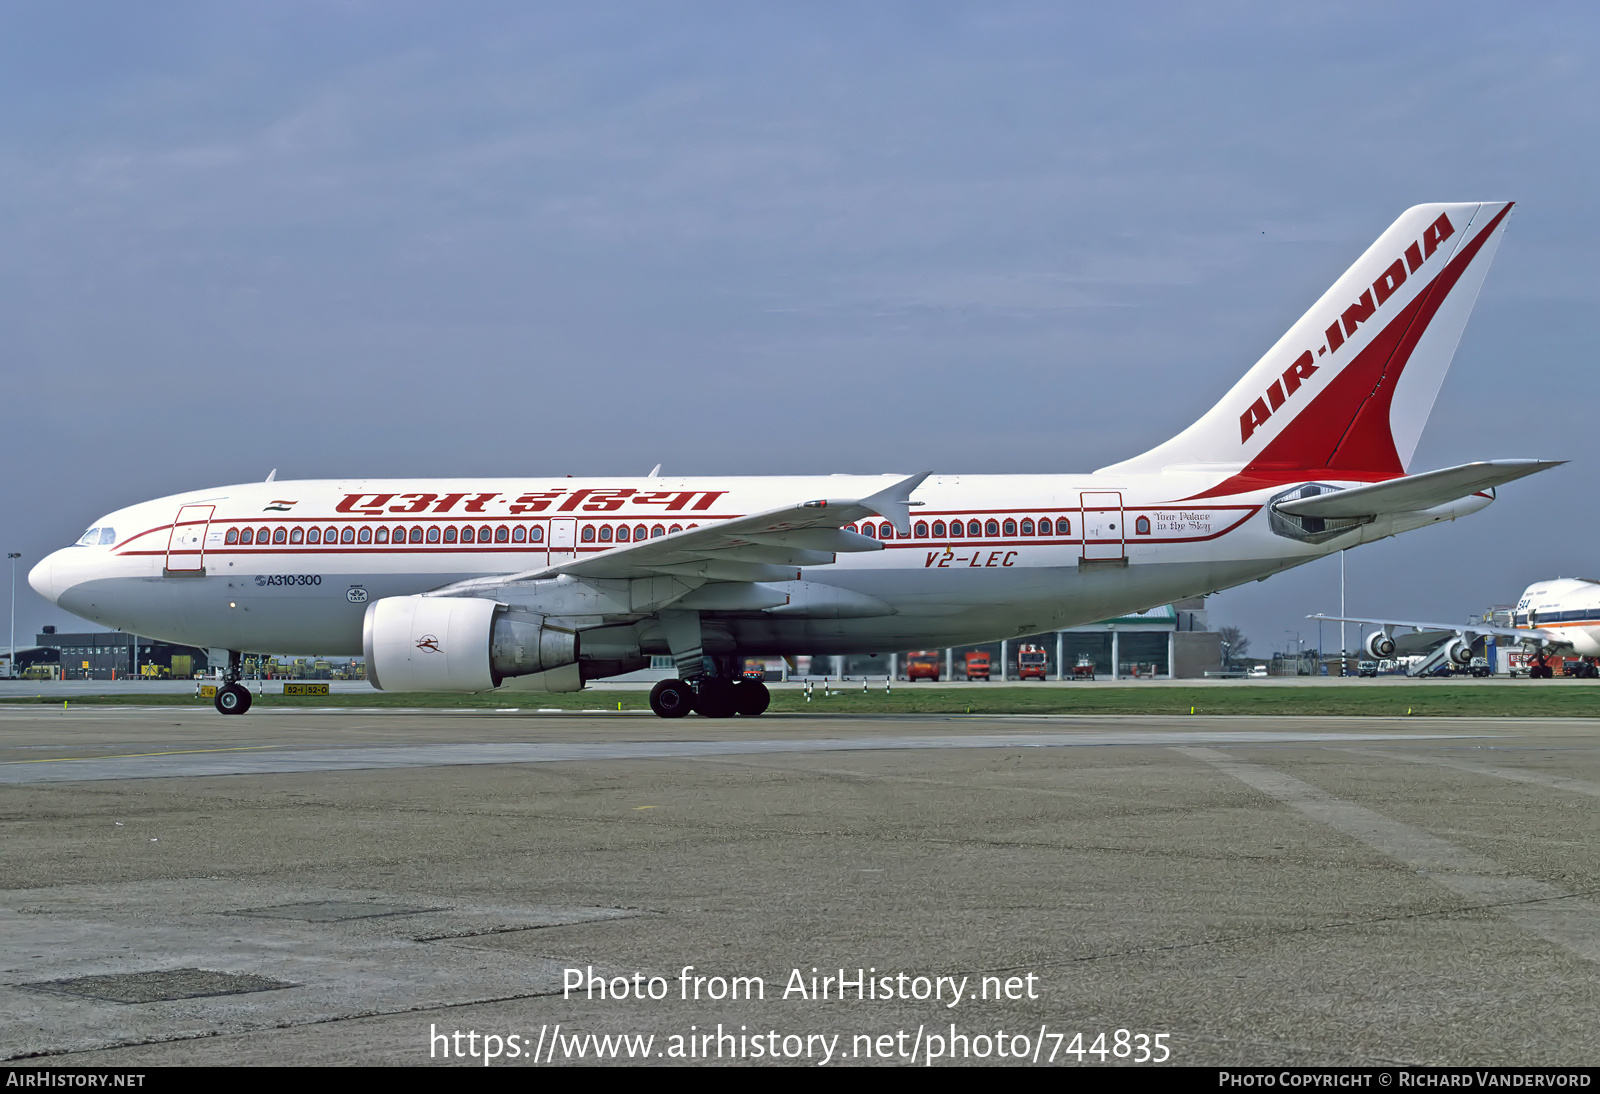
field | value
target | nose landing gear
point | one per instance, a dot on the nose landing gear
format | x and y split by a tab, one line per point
233	697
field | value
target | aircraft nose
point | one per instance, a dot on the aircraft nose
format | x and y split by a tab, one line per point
43	579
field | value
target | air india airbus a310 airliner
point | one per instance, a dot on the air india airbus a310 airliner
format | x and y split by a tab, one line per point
469	585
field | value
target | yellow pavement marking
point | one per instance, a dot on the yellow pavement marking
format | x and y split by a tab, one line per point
137	755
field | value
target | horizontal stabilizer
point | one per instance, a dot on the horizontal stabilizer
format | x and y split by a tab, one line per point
1414	492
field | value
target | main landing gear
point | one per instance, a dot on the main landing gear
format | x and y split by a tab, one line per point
233	697
710	697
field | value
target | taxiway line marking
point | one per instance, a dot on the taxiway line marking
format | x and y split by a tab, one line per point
1538	778
138	755
1536	906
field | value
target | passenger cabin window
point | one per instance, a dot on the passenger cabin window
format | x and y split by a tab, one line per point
365	535
415	535
957	530
536	534
262	535
502	534
656	531
676	528
433	533
232	536
519	534
466	534
450	534
869	530
974	528
921	529
622	533
588	533
605	533
348	535
383	534
484	534
399	536
640	532
314	535
297	535
992	528
1027	527
1063	527
331	535
247	536
938	529
1044	526
1010	527
280	535
1141	527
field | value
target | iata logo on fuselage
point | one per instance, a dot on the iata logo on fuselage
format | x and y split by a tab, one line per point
1283	388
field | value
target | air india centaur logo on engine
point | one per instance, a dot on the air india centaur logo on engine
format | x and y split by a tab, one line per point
429	642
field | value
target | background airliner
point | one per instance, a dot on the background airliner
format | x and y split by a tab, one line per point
1551	616
470	585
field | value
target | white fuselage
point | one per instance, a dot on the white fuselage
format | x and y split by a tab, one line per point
1568	606
1034	553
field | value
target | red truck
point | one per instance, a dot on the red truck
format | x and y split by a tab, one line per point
1031	663
923	665
977	666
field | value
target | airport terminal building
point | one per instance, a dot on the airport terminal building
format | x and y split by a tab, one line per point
116	655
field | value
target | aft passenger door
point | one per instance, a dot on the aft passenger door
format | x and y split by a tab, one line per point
186	546
1102	526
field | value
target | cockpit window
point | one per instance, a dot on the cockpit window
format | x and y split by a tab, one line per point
89	538
108	536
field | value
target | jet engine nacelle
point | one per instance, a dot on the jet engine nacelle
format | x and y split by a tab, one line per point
1459	651
447	643
1379	646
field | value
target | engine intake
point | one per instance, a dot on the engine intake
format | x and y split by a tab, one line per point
443	643
1379	645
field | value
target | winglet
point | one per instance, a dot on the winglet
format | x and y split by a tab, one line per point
894	502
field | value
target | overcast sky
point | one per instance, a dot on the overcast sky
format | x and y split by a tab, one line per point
500	239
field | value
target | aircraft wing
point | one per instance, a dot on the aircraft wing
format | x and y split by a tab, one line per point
765	546
1522	634
1414	492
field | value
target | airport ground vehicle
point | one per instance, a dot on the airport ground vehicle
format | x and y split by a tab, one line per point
1084	669
1032	663
924	665
977	664
539	584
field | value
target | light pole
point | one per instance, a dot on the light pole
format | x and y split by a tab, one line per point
11	663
